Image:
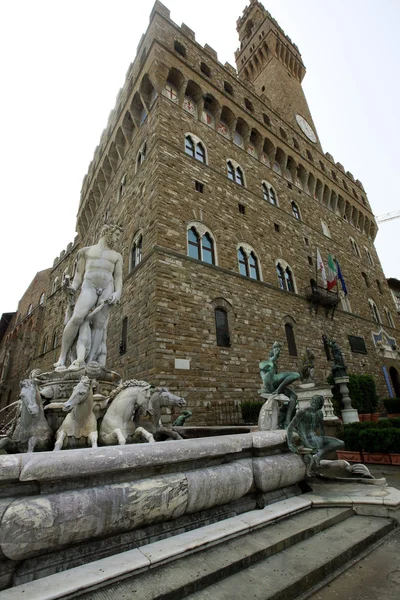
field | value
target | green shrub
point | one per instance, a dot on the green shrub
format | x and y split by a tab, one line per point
362	391
251	410
380	437
392	405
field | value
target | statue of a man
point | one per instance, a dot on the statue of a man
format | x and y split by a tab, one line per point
306	423
308	367
99	276
339	368
276	384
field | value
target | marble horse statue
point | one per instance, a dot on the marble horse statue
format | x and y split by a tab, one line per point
161	397
80	425
127	402
31	431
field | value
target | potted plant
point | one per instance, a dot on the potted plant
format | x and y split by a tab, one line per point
392	406
375	444
352	444
394	445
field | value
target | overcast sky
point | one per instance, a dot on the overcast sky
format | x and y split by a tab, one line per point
62	64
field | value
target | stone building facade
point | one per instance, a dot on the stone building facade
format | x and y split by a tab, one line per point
224	193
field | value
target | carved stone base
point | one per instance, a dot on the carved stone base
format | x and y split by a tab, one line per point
350	415
306	391
269	413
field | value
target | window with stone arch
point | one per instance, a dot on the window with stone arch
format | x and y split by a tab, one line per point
325	229
290	337
201	243
248	262
121	187
365	277
354	247
30	308
195	148
55	340
44	348
296	211
136	251
374	311
285	276
269	193
235	172
223	317
124	336
42	299
55	285
345	302
389	317
369	256
141	155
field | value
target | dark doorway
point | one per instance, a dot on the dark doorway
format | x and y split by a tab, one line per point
394	376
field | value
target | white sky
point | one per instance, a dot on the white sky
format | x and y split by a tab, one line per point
62	64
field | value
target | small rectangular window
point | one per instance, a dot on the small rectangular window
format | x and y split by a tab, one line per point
357	344
307	243
199	186
277	227
310	260
242	209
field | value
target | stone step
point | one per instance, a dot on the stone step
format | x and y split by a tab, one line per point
296	570
179	566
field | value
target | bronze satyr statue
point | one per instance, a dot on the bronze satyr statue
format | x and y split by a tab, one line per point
315	445
274	383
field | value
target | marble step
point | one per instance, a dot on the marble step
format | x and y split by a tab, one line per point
294	571
178	566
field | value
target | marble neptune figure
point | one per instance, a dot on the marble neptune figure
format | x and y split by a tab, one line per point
98	276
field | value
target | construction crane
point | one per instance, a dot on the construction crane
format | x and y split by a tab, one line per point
387	217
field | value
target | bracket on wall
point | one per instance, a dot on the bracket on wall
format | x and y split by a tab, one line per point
318	296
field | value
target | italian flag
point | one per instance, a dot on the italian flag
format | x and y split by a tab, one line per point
331	273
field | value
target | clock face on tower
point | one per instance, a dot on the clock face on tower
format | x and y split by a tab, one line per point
306	128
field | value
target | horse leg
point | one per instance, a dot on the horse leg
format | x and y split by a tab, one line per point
92	437
60	441
120	437
146	434
32	443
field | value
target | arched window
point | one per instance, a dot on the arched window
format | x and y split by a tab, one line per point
222	327
389	318
369	256
55	340
231	171
121	188
235	173
124	336
269	193
189	146
378	285
295	211
325	229
248	263
200	153
354	246
365	277
195	148
141	156
291	342
136	252
55	285
281	276
285	277
30	307
44	350
41	299
374	310
207	248
201	244
344	299
193	243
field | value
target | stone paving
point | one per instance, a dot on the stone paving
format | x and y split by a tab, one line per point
377	575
